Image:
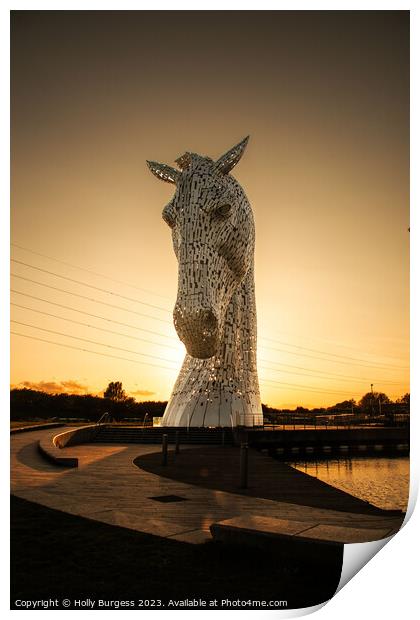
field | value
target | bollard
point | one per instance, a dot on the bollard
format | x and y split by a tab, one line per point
164	449
176	442
244	465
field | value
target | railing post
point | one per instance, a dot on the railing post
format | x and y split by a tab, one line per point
244	465
164	449
176	442
223	437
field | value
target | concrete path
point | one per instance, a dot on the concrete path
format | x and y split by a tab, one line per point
268	478
108	487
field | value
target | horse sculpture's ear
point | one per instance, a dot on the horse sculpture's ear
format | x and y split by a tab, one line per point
226	162
164	172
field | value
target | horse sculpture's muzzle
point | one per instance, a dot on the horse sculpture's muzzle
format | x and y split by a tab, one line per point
198	330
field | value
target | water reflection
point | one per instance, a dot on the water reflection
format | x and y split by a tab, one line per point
383	481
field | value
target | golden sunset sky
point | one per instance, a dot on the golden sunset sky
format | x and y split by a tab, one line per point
325	98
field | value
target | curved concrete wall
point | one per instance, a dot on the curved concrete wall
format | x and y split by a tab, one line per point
76	436
51	447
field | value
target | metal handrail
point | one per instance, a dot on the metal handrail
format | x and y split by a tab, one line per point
104	418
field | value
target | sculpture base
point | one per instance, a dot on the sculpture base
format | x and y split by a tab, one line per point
210	415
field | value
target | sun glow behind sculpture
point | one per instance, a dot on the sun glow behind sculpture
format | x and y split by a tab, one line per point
177	354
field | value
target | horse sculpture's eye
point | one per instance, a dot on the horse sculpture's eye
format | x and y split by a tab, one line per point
223	210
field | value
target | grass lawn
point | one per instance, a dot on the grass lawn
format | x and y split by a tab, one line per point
55	554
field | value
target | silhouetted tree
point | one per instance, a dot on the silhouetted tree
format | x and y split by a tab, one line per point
404	400
26	404
369	402
118	401
115	392
345	405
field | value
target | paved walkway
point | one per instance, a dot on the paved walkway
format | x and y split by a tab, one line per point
268	478
108	487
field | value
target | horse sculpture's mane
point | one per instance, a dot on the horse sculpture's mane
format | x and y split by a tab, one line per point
190	160
215	315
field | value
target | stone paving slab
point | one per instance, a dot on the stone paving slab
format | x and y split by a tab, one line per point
279	529
337	533
267	525
108	487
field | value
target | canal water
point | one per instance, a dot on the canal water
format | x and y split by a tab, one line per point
381	481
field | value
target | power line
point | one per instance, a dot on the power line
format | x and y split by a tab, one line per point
96	288
311	387
168	322
320	373
116	357
162	335
56	316
324	359
303	389
330	354
317	373
101	275
104	303
292	386
365	362
315	376
156	357
60	344
109	331
332	343
96	316
51	331
142	339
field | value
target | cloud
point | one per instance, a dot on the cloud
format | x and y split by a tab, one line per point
54	387
142	393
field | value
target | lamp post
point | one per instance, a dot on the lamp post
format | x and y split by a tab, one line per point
371	399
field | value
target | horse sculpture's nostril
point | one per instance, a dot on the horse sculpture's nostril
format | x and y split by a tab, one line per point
197	327
198	317
209	318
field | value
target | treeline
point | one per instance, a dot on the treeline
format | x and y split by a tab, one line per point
26	404
371	403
